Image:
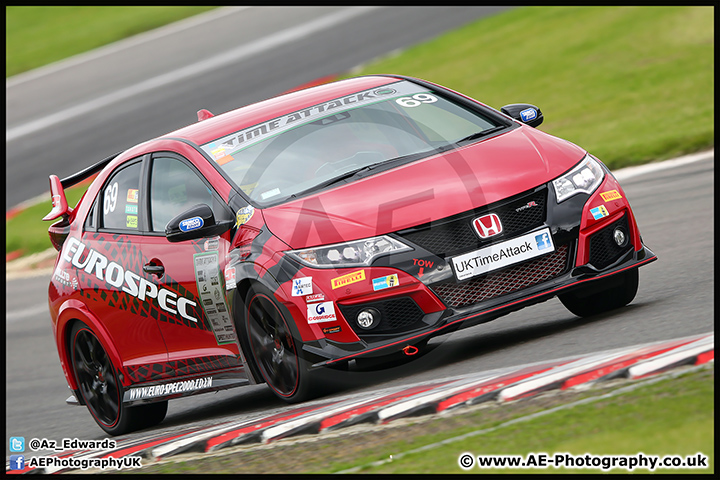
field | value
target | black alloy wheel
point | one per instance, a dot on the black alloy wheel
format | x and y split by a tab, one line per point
100	389
273	347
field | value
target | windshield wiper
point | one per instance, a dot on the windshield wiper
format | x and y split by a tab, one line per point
372	166
337	179
477	135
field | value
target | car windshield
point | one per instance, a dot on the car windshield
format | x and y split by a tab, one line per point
334	141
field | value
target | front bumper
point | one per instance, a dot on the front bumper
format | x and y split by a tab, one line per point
429	300
454	319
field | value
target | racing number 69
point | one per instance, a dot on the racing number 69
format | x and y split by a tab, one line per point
110	198
415	100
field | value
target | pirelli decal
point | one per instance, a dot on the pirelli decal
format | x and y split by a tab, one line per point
347	279
611	195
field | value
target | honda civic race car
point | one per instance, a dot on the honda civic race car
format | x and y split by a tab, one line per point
330	225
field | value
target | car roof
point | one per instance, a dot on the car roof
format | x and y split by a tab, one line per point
218	126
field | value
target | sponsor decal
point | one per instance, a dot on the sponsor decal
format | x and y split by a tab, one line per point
211	244
230	278
168	388
132	195
132	209
385	282
528	114
599	212
302	286
112	273
63	277
611	195
526	206
244	215
488	225
347	279
250	136
131	221
207	273
321	312
218	153
318	297
224	160
270	193
503	254
190	224
328	330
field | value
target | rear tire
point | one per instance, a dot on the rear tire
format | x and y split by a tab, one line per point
275	351
100	389
602	296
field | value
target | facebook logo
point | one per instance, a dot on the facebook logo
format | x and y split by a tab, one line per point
543	241
17	462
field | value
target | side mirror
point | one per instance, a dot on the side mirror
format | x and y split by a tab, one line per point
525	113
195	222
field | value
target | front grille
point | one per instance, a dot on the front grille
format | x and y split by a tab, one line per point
504	281
444	238
397	314
603	249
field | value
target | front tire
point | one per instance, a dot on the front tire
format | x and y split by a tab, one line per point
276	353
602	296
102	393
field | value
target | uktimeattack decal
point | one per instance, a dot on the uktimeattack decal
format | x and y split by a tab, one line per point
321	312
115	275
207	277
302	286
165	389
347	279
230	144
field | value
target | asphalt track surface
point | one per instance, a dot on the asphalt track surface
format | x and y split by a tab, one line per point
673	207
69	118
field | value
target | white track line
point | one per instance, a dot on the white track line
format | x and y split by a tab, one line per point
233	56
120	45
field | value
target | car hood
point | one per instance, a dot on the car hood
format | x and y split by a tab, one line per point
426	190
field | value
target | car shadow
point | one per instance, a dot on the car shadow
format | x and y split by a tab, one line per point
442	351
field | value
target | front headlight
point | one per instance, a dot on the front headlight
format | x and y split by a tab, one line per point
349	254
584	178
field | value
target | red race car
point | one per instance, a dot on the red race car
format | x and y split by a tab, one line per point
346	221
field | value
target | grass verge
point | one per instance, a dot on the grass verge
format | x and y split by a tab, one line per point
629	84
674	416
39	35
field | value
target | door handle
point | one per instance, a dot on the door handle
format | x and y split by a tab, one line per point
158	270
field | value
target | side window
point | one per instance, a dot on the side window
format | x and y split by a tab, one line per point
174	187
120	199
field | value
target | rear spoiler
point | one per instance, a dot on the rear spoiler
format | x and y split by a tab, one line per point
57	188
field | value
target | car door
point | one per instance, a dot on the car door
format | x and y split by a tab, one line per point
194	318
109	260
